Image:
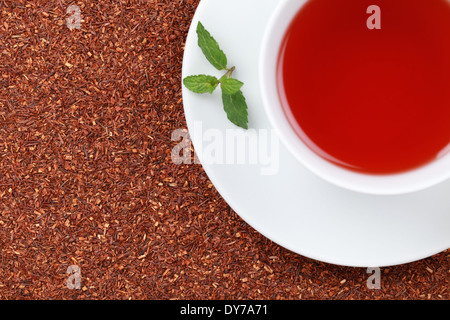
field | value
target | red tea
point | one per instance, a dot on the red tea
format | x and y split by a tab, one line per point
371	100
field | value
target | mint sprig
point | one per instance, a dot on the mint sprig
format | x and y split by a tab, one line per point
201	83
236	108
233	99
210	48
230	85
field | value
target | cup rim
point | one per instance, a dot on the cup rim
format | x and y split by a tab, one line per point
414	180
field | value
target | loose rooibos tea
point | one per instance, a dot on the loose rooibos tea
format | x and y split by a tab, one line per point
369	90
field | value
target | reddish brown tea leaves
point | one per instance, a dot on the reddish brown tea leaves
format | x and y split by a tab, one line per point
86	176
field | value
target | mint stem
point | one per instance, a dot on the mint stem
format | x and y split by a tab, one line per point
230	72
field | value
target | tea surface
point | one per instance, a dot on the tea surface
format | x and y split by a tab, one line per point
371	100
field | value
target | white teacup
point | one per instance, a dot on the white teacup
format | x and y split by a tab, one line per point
390	184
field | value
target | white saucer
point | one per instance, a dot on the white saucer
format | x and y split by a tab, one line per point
294	208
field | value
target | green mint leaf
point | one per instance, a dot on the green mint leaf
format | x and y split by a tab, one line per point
229	85
236	108
201	83
211	48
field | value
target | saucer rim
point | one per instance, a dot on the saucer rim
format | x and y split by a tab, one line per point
248	217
